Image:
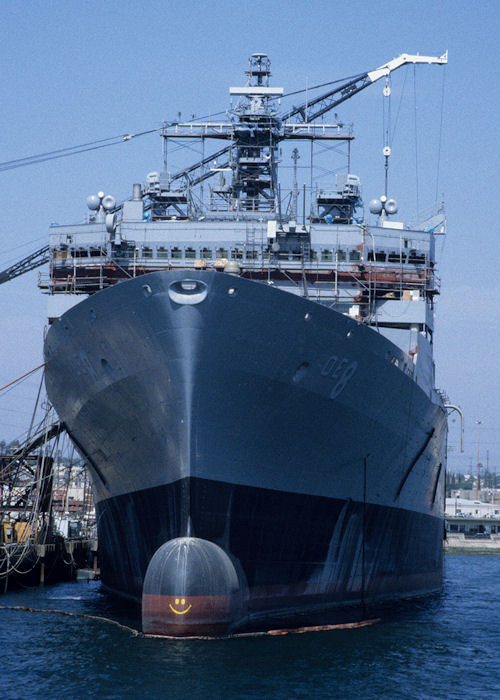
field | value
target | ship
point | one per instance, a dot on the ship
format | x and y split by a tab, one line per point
246	367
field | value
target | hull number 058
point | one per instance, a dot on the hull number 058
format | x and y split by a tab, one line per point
340	369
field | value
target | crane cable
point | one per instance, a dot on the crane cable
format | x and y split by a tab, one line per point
416	140
71	150
120	138
440	132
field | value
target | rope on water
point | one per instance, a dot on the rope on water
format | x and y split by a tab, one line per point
134	632
276	632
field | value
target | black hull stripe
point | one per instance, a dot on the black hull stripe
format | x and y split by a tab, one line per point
291	550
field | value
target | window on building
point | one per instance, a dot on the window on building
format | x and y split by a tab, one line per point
147	252
221	253
354	255
206	253
162	252
190	253
326	255
176	253
340	255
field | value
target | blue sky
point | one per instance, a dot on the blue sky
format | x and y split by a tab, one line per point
78	71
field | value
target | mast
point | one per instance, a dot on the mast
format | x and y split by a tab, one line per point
254	185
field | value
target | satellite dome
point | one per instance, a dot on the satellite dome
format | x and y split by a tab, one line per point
391	206
108	202
375	206
93	202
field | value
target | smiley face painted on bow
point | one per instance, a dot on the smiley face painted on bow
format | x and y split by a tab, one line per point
181	608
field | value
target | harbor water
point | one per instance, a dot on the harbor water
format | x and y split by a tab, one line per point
443	647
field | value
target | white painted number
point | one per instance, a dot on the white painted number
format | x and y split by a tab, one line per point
340	369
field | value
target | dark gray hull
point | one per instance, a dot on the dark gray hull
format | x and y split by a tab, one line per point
289	434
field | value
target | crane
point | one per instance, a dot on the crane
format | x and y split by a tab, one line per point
30	262
327	101
310	110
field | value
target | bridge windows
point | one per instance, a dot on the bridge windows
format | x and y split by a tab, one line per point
354	255
396	257
380	256
416	257
206	253
80	253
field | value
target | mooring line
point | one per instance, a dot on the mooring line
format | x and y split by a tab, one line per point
133	631
268	633
275	632
22	376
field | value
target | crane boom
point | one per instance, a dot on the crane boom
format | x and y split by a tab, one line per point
323	104
199	164
327	101
402	61
30	262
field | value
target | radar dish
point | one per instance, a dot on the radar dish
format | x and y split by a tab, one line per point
111	221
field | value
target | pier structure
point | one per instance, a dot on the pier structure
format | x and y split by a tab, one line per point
47	518
472	526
